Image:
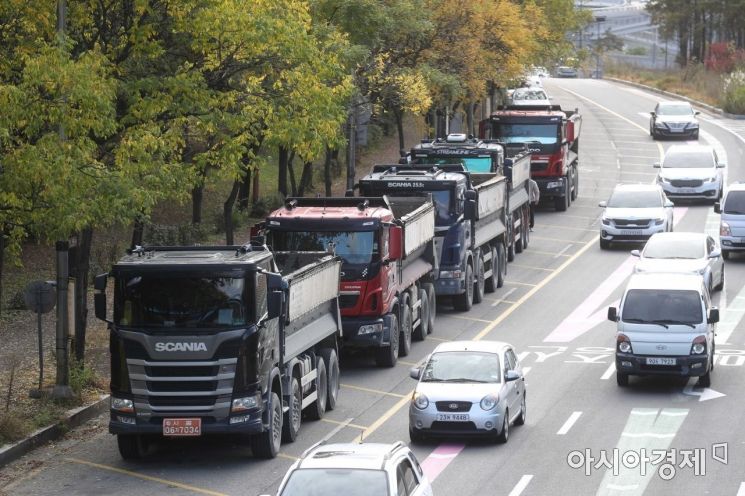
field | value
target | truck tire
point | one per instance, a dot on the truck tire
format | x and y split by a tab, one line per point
407	321
478	283
317	409
502	274
386	356
332	370
132	446
294	414
511	248
266	444
430	289
519	242
575	184
420	333
464	301
491	283
561	203
526	228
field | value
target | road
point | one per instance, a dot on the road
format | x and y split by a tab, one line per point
552	308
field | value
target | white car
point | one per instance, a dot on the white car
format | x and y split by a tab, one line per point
353	469
633	213
691	172
683	252
529	96
468	388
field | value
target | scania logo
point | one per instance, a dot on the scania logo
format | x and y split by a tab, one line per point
180	347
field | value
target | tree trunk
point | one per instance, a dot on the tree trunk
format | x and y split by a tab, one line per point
82	264
138	232
227	211
327	171
256	187
282	175
2	263
305	178
197	194
469	119
399	115
245	189
291	174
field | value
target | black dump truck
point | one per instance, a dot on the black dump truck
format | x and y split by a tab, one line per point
220	340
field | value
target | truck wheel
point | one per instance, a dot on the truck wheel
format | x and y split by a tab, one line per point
420	333
387	356
430	289
519	242
575	191
526	228
332	368
464	301
406	321
266	444
478	289
502	265
561	203
317	409
511	248
294	414
491	284
132	446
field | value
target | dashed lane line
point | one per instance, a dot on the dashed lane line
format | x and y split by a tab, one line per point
149	478
521	485
346	423
569	423
530	267
374	391
463	317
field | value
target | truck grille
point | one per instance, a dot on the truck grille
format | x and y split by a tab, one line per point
167	388
686	183
538	166
348	300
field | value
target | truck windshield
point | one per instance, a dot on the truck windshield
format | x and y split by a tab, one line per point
545	134
649	305
160	300
354	247
330	481
735	203
472	164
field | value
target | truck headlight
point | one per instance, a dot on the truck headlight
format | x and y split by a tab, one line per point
724	229
245	403
122	405
553	184
420	401
370	329
450	274
699	345
624	347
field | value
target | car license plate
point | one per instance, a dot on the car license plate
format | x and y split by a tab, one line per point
686	190
661	361
182	427
633	232
453	417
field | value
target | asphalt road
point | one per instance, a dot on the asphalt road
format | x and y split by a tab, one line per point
552	308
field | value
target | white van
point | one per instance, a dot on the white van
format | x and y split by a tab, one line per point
666	326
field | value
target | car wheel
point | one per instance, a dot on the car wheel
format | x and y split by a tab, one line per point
416	435
464	301
504	434
387	356
332	370
294	413
266	444
604	244
406	321
725	254
478	283
695	135
622	379
491	283
520	420
720	286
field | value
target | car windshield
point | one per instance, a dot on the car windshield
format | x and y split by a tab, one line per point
545	134
472	164
333	481
735	203
527	95
462	366
658	247
689	159
144	300
675	109
354	247
635	199
648	305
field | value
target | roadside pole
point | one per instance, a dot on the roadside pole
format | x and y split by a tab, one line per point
62	386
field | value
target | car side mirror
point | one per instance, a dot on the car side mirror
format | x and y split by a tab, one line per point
656	165
713	315
415	372
603	204
99	298
715	253
721	165
613	314
652	113
511	375
669	204
718	208
636	253
696	112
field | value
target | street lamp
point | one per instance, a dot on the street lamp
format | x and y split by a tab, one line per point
598	20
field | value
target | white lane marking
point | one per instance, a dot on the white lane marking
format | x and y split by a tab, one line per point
705	394
609	371
622	487
504	297
648	434
526	370
336	429
741	491
560	253
569	423
731	314
721	152
521	485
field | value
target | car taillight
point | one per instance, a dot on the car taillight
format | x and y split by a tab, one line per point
699	345
623	344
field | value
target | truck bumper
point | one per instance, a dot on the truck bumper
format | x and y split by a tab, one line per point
447	286
687	366
366	332
251	425
552	187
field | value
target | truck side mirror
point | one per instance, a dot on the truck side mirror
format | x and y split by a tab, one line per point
99	298
613	314
274	301
713	315
470	206
718	207
395	243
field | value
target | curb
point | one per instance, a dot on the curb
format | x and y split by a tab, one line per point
73	418
706	106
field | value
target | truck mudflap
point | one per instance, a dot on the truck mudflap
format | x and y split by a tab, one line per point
552	187
366	332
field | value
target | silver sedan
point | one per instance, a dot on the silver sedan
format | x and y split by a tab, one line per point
468	387
683	252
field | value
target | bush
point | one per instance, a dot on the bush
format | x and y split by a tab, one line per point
267	204
219	220
733	96
82	377
16	301
636	51
12	428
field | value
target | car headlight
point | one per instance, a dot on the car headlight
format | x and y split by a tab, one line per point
659	125
246	403
659	222
711	179
420	401
605	222
724	229
370	329
488	402
664	180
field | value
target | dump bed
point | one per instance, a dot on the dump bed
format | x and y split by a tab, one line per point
574	125
491	190
517	171
312	279
416	216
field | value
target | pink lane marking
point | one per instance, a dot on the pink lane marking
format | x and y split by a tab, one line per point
440	458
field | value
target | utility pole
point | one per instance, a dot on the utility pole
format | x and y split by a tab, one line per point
654	49
598	20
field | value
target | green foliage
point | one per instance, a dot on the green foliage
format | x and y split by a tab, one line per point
636	51
266	205
12	428
733	96
82	377
174	235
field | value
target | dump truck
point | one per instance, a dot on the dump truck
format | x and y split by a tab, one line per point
230	340
387	294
